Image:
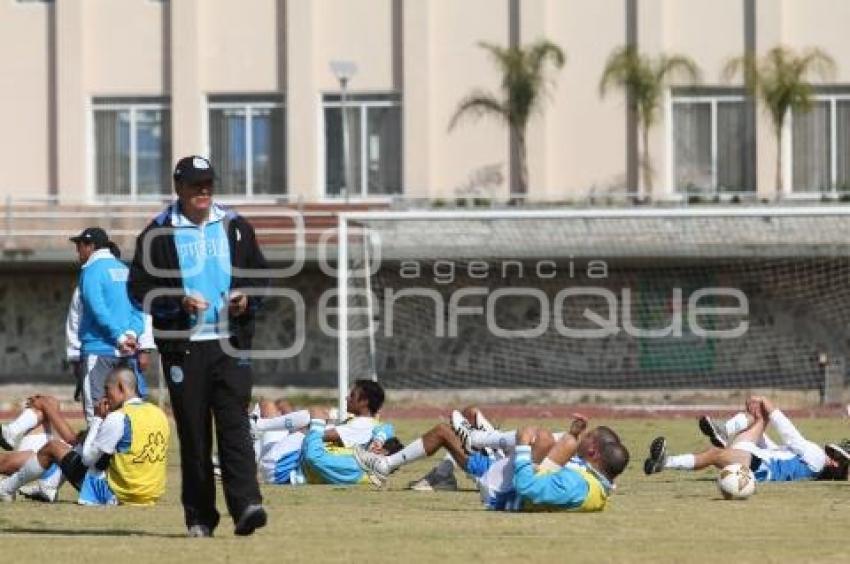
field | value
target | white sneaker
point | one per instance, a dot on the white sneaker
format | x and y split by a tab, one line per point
433	482
375	466
38	491
482	424
5	497
463	430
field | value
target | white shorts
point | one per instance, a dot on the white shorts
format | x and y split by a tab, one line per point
274	454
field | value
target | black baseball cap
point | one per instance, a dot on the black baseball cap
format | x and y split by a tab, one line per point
94	235
193	170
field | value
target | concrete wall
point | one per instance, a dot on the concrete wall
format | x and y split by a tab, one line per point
796	309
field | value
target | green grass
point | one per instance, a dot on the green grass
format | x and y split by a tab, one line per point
671	517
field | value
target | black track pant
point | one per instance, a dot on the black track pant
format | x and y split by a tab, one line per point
207	385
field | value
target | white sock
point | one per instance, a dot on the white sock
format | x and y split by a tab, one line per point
23	424
413	451
288	422
30	471
681	462
505	440
736	424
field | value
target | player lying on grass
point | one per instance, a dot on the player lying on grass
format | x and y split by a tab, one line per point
123	459
722	434
574	473
477	434
280	437
795	458
325	462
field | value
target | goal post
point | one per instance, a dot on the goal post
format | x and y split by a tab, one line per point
708	298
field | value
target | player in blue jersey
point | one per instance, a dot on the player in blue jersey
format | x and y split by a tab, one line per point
793	458
328	463
280	436
573	473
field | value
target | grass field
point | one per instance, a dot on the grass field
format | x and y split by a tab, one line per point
671	517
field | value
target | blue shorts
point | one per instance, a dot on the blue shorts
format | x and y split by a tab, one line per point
95	490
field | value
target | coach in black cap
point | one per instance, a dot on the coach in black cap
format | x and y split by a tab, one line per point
196	272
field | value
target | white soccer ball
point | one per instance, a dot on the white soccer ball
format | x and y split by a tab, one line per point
736	481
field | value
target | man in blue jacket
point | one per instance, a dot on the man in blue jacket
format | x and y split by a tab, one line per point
109	325
194	268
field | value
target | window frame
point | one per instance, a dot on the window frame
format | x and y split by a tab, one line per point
713	100
247	103
134	105
364	100
788	149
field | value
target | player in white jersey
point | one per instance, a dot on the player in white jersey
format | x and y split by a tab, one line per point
793	458
280	439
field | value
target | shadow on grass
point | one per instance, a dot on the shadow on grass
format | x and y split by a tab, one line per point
87	532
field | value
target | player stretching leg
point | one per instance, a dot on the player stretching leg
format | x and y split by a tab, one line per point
794	459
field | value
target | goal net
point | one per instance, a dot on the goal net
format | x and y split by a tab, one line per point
637	299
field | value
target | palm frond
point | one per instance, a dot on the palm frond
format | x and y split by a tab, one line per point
479	104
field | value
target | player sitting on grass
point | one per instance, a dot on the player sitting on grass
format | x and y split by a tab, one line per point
794	459
328	463
123	459
281	437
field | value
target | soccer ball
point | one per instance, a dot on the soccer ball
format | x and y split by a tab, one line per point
736	481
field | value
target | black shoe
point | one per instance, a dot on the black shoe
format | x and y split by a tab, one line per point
712	430
253	518
4	444
199	531
837	453
657	456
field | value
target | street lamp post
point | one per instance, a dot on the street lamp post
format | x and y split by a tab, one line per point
344	71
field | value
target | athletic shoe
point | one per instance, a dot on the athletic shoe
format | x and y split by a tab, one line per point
463	430
837	453
433	482
482	424
657	456
715	433
8	441
39	492
199	532
374	465
4	496
254	517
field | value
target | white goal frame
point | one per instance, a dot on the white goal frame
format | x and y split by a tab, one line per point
345	218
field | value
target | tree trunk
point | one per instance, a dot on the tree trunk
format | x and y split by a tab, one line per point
522	161
780	188
646	164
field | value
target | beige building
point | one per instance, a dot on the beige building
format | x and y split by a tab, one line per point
98	98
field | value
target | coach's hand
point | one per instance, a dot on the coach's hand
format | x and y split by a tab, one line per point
237	303
194	304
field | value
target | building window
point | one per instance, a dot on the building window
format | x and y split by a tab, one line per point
374	134
132	147
247	139
820	146
713	144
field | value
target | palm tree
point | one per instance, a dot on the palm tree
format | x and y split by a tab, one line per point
523	84
645	78
779	80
